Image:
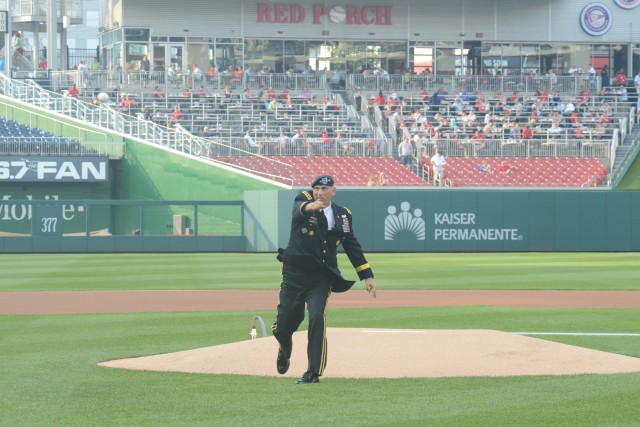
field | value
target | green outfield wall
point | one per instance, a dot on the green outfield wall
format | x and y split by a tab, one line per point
442	220
146	172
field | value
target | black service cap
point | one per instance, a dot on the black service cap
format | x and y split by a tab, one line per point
322	180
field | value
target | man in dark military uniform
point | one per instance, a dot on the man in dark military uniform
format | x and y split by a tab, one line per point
310	272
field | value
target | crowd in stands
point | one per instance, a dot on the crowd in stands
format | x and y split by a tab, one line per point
466	123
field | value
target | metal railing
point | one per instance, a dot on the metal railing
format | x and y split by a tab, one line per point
488	83
58	80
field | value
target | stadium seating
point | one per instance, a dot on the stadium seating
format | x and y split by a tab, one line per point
525	172
347	172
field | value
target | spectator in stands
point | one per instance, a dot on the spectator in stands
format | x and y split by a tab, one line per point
186	93
485	168
251	144
116	92
283	143
405	152
307	94
172	75
605	77
621	78
95	100
145	114
636	82
325	141
527	132
479	140
504	168
342	144
382	179
380	100
145	69
42	65
157	93
18	47
457	105
569	108
128	104
201	92
488	130
73	91
600	131
514	132
246	95
197	73
437	163
622	92
297	142
270	93
372	181
211	73
176	116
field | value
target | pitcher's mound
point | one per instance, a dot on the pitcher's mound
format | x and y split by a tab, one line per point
386	353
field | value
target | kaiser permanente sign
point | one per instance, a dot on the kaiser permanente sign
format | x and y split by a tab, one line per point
54	169
468	220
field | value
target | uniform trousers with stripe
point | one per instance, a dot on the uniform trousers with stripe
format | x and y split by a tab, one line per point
299	286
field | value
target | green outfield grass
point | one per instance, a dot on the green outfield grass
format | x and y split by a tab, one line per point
49	376
620	271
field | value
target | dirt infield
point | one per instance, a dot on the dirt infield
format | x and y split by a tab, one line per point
77	302
387	353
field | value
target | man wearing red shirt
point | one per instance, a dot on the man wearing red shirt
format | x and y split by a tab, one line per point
73	91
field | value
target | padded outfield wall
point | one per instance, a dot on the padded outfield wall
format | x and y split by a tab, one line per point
441	220
147	172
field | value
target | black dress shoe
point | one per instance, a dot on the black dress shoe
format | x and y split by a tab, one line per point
308	378
283	362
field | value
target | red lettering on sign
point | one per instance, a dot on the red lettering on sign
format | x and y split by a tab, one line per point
353	15
383	12
280	17
367	15
297	13
264	12
319	12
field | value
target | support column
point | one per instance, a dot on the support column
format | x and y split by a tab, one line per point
52	30
36	46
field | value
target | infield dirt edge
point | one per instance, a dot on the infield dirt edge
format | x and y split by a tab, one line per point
385	353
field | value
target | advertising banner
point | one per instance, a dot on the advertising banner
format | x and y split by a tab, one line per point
54	169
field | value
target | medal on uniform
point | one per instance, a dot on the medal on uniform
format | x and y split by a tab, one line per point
345	224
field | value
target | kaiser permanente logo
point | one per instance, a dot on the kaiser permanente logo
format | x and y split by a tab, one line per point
447	226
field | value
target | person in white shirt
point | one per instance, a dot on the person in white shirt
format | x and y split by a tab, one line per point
251	143
569	107
437	162
636	82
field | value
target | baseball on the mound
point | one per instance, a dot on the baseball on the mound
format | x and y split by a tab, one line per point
103	97
337	14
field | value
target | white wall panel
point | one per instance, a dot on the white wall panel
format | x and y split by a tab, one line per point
507	20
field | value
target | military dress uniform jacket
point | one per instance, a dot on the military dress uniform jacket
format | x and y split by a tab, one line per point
311	245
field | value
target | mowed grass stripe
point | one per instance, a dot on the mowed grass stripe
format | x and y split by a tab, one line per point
570	271
50	377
